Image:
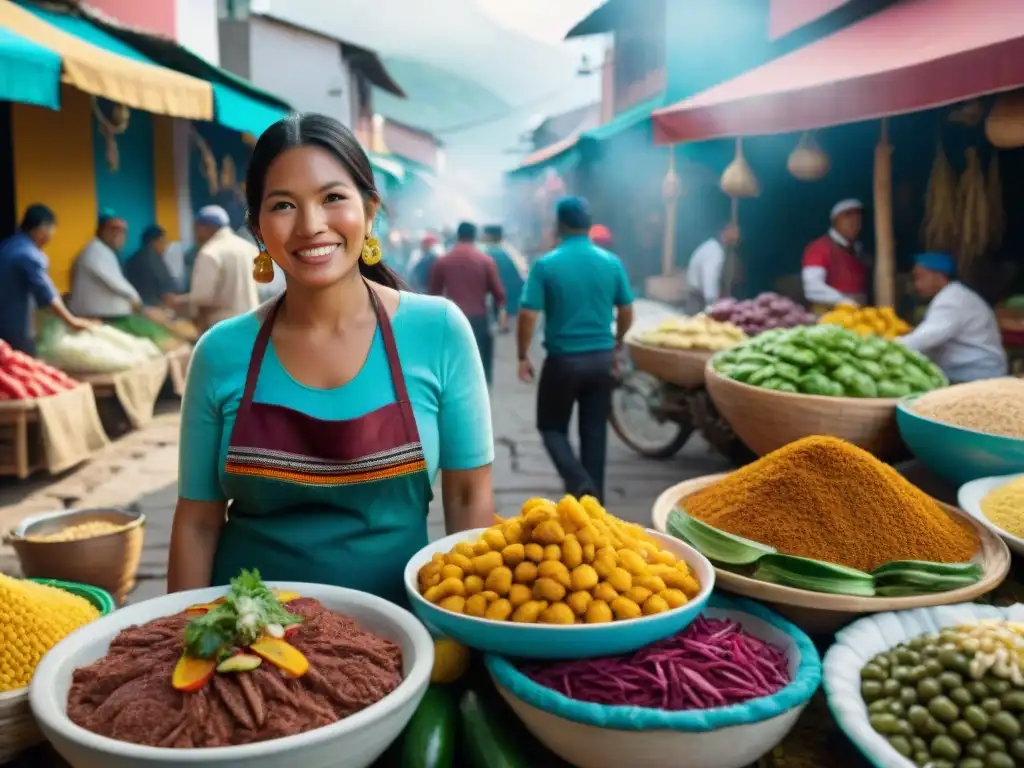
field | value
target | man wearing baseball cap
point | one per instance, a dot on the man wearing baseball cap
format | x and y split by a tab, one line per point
834	269
960	332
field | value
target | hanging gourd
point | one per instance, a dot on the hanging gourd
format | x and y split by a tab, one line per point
975	231
808	162
940	229
111	128
1004	127
738	179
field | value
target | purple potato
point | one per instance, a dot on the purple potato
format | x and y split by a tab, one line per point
721	314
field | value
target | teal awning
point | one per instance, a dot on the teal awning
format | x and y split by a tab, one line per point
388	165
29	73
623	121
233	108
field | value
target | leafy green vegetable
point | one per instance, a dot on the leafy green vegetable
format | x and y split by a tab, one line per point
248	609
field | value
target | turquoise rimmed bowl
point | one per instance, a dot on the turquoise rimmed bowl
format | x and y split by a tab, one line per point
956	454
548	641
598	736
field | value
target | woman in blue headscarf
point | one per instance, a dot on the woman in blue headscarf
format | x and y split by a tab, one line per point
147	270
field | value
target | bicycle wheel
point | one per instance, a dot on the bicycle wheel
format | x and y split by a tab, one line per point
638	417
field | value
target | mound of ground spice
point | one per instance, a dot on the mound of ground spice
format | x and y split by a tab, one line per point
128	696
823	498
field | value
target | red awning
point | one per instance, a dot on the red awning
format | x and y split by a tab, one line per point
917	55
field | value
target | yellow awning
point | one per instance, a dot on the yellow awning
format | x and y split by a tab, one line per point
99	72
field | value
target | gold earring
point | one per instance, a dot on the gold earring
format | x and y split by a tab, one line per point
263	268
371	251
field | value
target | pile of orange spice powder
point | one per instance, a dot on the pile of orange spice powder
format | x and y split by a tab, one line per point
825	499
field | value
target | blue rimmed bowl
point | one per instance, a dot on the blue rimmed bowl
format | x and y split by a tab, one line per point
956	454
549	641
861	641
598	736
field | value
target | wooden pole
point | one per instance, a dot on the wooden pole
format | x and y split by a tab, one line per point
885	238
668	240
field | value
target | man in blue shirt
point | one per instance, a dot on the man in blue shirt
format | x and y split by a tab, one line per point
581	289
24	278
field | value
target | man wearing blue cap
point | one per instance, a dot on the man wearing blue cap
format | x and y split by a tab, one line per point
99	288
581	289
959	332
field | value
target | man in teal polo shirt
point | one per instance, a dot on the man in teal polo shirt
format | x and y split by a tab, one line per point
581	289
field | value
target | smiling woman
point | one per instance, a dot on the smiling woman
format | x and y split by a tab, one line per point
325	416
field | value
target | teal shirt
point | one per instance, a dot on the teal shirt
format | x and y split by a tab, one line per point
577	286
442	371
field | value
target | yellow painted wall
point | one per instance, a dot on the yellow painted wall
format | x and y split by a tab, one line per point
54	165
165	188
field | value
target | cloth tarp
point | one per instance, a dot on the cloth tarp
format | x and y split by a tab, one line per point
29	73
243	113
916	55
95	63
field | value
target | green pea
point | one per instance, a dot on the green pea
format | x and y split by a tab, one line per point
879	706
891	687
896	708
939	763
901	673
934	667
999	760
871	671
1005	724
961	697
950	680
943	710
976	749
922	758
1017	749
977	717
991	705
870	690
951	658
908	696
934	727
903	728
1013	701
901	744
971	762
993	743
918	717
918	744
881	660
905	655
928	689
997	685
945	747
978	689
884	724
962	731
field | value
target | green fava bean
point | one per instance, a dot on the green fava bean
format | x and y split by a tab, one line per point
787	371
743	371
901	744
978	689
862	385
767	372
880	706
817	384
928	689
945	747
1017	749
918	717
908	696
888	388
999	760
950	680
1013	701
872	369
993	743
943	710
1005	724
971	762
997	686
992	705
977	717
961	697
885	724
794	355
870	690
962	731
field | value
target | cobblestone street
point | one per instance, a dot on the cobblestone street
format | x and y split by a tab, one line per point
140	471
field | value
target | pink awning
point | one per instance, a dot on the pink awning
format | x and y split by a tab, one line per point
785	16
917	55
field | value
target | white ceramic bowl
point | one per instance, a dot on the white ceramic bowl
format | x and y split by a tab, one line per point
863	640
360	738
595	736
547	641
969	499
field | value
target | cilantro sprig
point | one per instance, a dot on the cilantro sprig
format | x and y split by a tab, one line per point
248	609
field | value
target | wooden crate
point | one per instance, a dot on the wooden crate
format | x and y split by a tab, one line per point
21	447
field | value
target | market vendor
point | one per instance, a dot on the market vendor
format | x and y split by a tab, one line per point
960	332
704	272
326	416
148	271
99	288
222	278
835	270
25	279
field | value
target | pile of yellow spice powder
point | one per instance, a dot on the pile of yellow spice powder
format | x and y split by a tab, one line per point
1004	507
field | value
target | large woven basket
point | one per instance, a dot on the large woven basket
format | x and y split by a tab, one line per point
817	612
682	367
109	562
18	730
765	419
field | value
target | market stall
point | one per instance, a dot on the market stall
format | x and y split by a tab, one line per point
48	421
123	368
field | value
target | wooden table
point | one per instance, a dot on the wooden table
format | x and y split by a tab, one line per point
20	455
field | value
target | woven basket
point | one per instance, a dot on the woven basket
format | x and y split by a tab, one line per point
682	367
766	420
18	730
108	562
820	613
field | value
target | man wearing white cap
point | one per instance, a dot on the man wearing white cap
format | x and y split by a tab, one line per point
834	271
222	282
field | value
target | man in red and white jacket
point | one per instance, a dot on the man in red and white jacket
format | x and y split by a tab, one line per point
834	270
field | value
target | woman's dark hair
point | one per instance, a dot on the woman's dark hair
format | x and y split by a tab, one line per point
315	130
37	215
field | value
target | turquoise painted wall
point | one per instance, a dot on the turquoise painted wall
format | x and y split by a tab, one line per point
130	190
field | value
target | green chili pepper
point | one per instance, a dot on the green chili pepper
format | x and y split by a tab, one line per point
788	372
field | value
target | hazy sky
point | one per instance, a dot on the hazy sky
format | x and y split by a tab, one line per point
546	20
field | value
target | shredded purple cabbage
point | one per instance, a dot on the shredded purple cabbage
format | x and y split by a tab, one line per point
711	663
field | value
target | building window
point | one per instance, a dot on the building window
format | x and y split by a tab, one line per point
233	9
